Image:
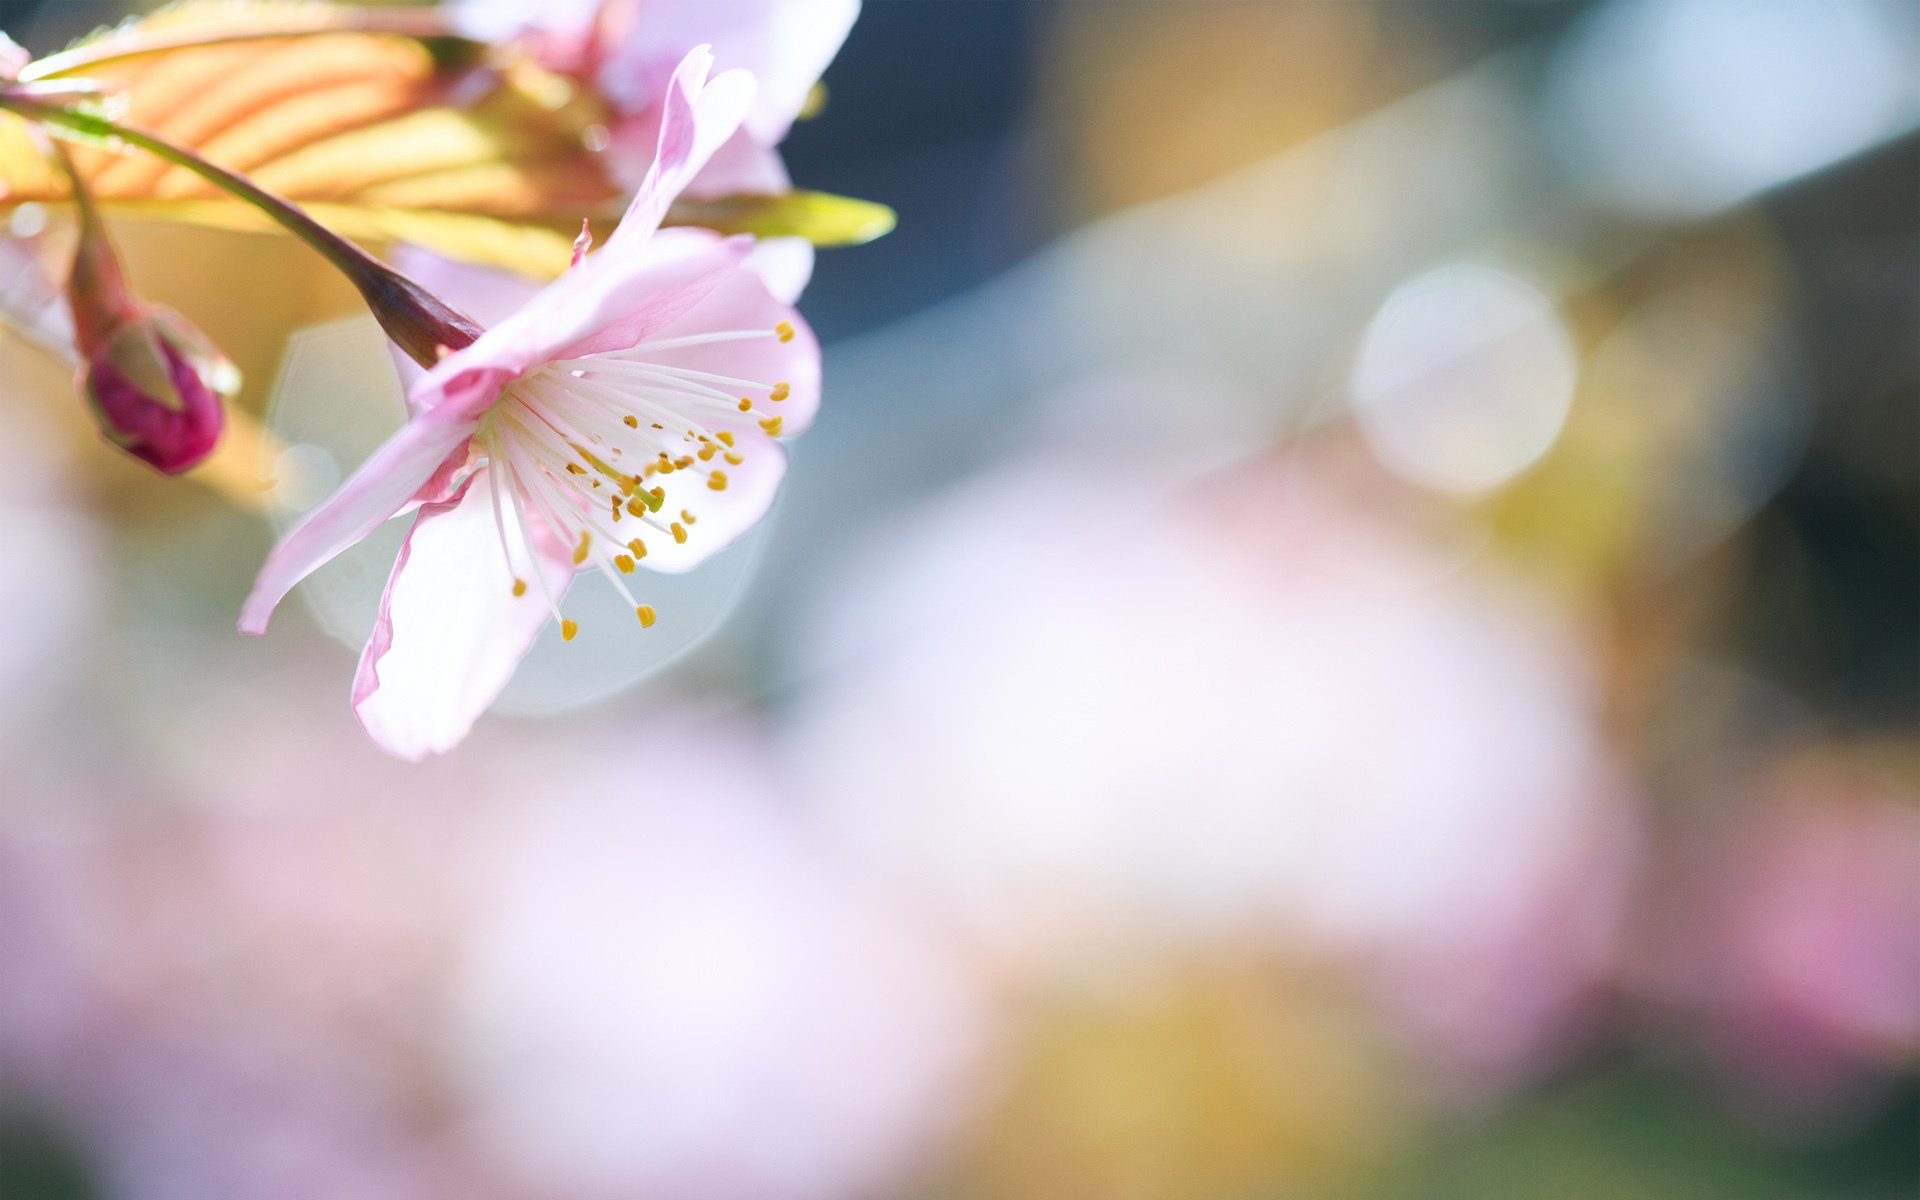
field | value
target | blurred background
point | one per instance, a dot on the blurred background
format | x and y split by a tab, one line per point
1349	628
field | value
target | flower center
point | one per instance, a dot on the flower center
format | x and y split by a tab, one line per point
588	445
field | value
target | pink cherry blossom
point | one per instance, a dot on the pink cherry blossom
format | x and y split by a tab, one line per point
13	59
630	48
627	415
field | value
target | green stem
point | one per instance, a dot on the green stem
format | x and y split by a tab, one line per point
418	321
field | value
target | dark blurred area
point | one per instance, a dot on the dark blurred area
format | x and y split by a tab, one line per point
1836	555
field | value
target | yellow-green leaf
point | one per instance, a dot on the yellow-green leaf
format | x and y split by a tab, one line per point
387	134
381	126
541	251
820	217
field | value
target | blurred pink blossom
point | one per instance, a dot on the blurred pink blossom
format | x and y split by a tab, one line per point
670	989
1114	718
636	978
13	58
629	48
227	1004
53	579
30	299
1794	931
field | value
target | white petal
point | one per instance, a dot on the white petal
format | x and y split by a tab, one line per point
451	631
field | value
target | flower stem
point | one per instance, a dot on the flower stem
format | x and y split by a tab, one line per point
96	286
418	321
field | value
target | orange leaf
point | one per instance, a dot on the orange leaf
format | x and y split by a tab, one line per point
338	115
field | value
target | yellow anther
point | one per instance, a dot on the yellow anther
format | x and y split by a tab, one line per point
771	425
658	425
630	421
638	547
624	562
687	517
725	436
679	532
637	507
568	628
717	481
656	496
707	453
734	457
519	587
645	613
784	331
684	461
576	469
781	391
746	405
580	551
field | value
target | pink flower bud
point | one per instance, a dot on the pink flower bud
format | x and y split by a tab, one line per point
155	385
154	382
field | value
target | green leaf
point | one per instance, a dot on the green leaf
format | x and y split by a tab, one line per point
820	217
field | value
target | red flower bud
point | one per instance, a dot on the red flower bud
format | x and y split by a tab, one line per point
154	382
155	385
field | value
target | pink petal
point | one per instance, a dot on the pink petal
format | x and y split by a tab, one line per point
721	516
784	265
31	302
740	302
380	488
785	44
486	294
639	288
611	300
13	58
697	116
502	20
644	277
450	630
742	164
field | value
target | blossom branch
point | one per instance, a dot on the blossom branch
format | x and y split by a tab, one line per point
418	321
